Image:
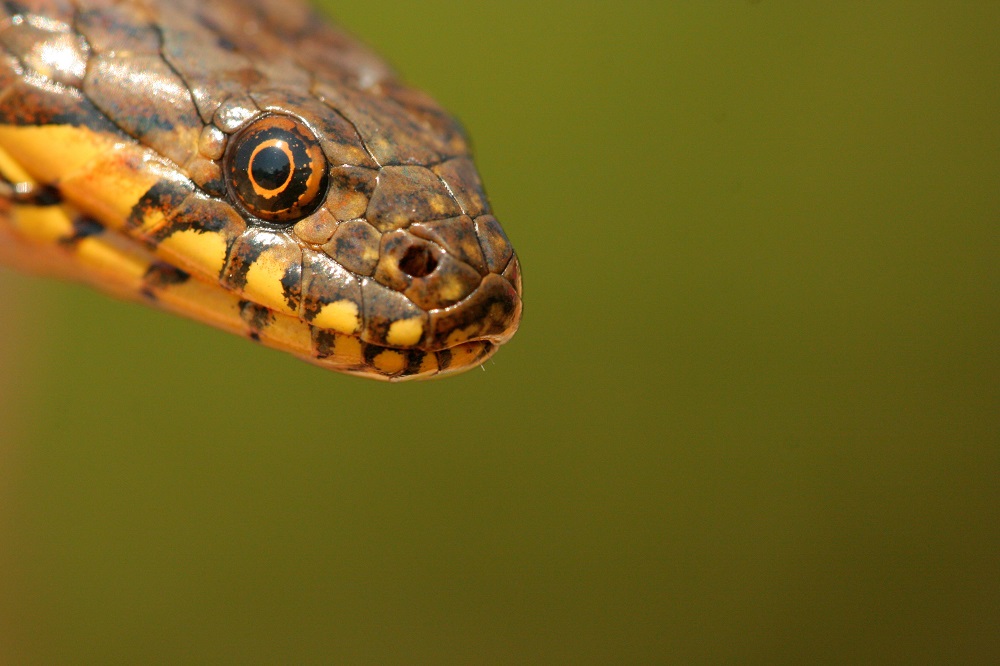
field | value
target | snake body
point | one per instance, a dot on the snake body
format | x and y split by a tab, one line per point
251	166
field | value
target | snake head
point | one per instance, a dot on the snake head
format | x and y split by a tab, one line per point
254	167
399	248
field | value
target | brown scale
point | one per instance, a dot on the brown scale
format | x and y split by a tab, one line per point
463	182
317	228
351	190
408	194
355	245
212	68
392	133
457	236
31	43
122	28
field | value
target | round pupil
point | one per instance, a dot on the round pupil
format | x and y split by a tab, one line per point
271	168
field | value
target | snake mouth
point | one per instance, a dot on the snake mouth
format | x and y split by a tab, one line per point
381	342
458	339
399	365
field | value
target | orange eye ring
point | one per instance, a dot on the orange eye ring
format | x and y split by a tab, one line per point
275	169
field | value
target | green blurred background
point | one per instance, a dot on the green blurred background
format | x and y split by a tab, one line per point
751	415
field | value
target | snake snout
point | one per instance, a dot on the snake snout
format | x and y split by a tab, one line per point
491	314
462	272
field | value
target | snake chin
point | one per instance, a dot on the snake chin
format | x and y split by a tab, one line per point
401	365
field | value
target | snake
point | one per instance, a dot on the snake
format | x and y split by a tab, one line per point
250	165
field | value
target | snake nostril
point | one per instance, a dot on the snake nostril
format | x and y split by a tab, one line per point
418	261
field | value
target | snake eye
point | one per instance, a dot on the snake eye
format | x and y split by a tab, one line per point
276	170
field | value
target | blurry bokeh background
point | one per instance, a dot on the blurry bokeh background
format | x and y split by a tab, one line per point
751	415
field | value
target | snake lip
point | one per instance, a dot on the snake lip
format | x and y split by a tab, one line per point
462	336
491	313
